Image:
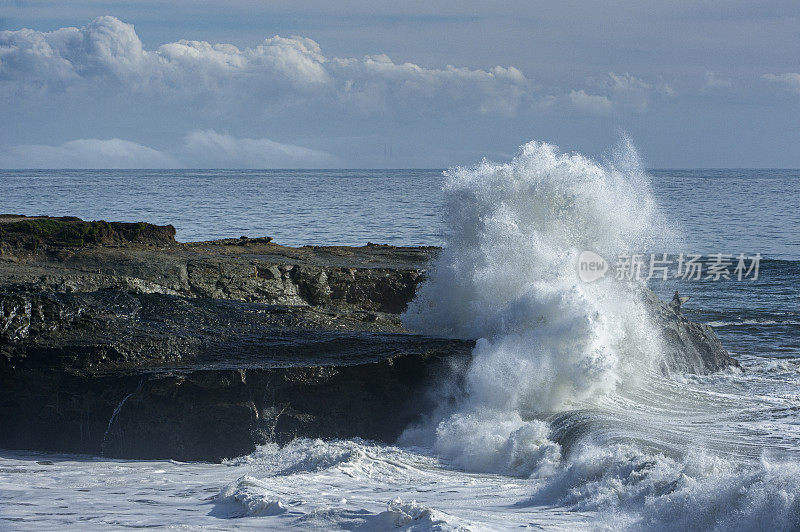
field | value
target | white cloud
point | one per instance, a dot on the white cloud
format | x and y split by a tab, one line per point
612	93
284	84
100	82
209	149
790	80
713	81
295	62
591	103
104	47
280	69
631	92
624	83
87	153
201	149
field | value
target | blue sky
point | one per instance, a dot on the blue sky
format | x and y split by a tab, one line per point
416	84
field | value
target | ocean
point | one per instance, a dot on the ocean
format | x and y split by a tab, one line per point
567	423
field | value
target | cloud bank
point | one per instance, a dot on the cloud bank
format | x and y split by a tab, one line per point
209	149
279	71
200	149
87	153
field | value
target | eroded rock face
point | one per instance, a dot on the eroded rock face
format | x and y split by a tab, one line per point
211	414
157	349
15	318
146	259
160	376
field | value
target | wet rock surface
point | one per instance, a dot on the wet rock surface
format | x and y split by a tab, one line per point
132	345
690	345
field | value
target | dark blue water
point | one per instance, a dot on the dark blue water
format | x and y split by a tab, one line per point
295	207
733	211
716	210
752	318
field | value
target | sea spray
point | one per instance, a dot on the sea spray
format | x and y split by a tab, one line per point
566	383
546	341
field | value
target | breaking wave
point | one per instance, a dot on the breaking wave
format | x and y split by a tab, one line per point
566	382
546	342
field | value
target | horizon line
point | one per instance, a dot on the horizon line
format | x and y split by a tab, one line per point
328	169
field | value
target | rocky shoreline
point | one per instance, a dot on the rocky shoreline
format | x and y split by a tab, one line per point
117	340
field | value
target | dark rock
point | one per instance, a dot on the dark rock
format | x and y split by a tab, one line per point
158	376
209	415
692	347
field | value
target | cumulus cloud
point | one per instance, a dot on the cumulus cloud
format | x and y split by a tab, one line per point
87	153
379	81
789	80
108	51
105	47
200	149
99	82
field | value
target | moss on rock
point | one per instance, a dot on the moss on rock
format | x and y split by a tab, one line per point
69	231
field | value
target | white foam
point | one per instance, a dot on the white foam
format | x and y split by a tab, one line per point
249	496
550	347
636	490
752	322
546	341
410	515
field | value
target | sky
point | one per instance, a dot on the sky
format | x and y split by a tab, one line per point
366	84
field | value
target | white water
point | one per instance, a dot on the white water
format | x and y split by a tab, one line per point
547	342
564	385
564	420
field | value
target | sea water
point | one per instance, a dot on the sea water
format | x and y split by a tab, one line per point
568	420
